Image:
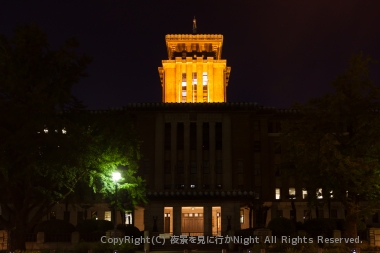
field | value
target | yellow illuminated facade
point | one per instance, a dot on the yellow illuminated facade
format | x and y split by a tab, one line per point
194	71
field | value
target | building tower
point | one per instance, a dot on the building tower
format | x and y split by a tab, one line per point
194	71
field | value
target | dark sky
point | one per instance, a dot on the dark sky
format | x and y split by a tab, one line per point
280	51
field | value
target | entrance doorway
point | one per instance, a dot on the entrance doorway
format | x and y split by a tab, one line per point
192	221
168	220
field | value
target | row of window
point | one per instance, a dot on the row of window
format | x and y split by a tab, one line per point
192	167
306	214
194	86
273	126
191	186
81	215
180	127
292	193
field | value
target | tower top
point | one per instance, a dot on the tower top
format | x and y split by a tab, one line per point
194	26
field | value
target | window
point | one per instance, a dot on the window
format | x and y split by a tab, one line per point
292	193
53	215
241	216
146	166
375	218
206	136
278	193
240	167
334	213
193	136
331	194
218	166
192	186
257	168
107	215
319	193
206	166
167	187
218	136
257	146
167	167
205	83
193	167
277	170
292	216
128	218
256	125
195	82
184	84
321	213
66	216
279	214
274	127
168	139
180	136
277	148
304	194
180	167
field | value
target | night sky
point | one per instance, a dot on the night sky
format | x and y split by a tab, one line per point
280	52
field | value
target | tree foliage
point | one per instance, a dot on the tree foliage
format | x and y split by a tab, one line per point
48	143
334	144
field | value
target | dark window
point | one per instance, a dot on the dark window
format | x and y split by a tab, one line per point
270	127
193	136
375	218
277	168
205	133
219	166
334	213
206	186
180	167
257	169
146	166
181	186
206	166
167	187
66	216
218	136
240	167
256	125
79	216
193	167
219	186
278	127
168	139
279	213
180	136
293	215
167	167
277	148
257	146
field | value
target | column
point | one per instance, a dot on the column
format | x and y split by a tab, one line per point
189	80
226	136
199	153
173	153
207	220
210	76
187	153
212	154
178	84
200	79
177	220
159	152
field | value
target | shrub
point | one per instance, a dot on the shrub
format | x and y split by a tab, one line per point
281	226
321	226
90	226
129	230
55	230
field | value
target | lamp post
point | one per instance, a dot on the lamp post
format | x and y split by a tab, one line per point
115	177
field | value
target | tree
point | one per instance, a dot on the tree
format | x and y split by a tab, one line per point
334	143
48	143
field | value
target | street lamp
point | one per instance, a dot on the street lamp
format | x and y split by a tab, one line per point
115	177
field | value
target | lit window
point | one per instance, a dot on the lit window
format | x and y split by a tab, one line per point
241	216
192	186
292	193
184	94
107	215
257	169
64	131
319	193
128	218
278	193
304	193
331	194
205	83
167	215
46	130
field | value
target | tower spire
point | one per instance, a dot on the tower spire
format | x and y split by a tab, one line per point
194	26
